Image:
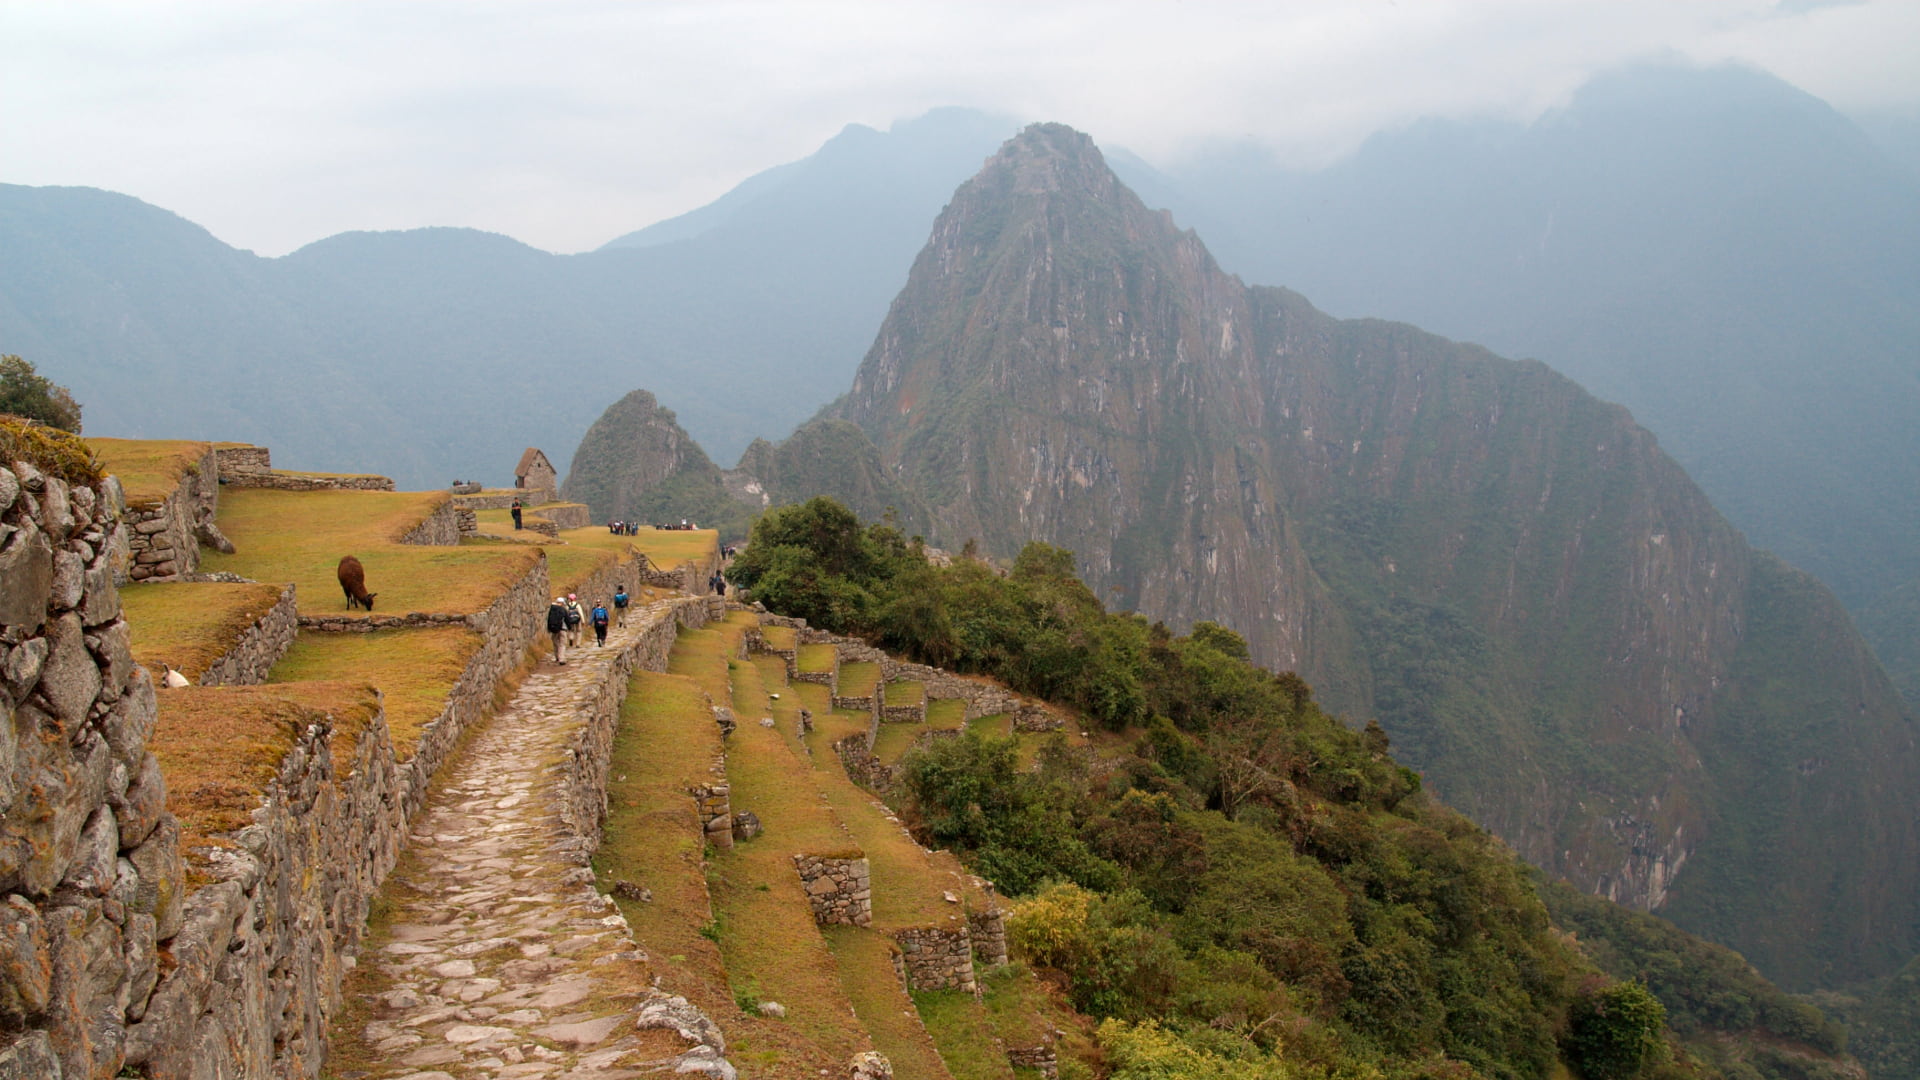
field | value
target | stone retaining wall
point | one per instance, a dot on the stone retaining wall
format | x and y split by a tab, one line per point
936	958
568	515
982	698
299	481
90	871
259	648
1044	1059
839	888
989	934
468	520
163	538
262	951
490	501
912	713
509	625
242	459
713	805
589	757
440	529
856	756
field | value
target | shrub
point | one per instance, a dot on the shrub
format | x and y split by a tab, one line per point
1616	1033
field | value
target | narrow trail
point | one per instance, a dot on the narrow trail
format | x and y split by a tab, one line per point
496	957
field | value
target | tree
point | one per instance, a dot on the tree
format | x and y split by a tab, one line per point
24	392
1617	1032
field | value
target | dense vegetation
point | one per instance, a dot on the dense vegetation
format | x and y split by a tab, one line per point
1238	885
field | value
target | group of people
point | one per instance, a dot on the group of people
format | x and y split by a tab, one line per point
717	583
565	617
624	528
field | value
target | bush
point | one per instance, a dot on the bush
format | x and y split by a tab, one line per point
25	393
1616	1033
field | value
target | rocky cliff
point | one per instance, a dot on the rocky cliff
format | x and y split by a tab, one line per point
1544	611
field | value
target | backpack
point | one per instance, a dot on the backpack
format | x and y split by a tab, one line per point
620	598
599	616
556	619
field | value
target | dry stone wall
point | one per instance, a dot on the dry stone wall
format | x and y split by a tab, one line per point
90	871
440	529
508	626
590	757
262	950
239	460
1043	1059
163	538
259	648
839	888
936	958
568	515
982	698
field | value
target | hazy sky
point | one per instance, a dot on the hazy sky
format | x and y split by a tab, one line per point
566	124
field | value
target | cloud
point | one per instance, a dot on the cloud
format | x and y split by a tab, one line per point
567	124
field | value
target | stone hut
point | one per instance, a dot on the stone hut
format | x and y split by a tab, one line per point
536	476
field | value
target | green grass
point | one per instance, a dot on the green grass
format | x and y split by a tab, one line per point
191	625
300	536
859	678
964	1031
906	692
882	1006
414	668
781	637
766	929
149	469
946	713
817	658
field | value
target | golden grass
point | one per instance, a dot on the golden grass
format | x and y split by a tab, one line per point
817	657
568	569
881	1004
149	469
219	747
906	692
300	536
859	678
415	668
781	637
191	625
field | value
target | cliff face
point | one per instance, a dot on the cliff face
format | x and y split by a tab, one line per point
637	464
1542	609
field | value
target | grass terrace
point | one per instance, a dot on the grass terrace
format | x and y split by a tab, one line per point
882	1006
149	469
815	658
300	536
859	678
893	741
906	692
781	637
191	625
219	747
415	668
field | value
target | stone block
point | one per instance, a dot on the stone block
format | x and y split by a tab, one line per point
9	489
96	862
101	604
22	669
143	967
31	1057
141	808
112	647
26	962
70	680
26	578
162	875
129	724
69	580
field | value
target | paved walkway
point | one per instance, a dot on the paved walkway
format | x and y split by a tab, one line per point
497	957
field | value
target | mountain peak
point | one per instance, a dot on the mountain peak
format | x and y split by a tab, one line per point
1048	158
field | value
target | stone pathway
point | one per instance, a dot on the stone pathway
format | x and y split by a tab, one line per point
497	957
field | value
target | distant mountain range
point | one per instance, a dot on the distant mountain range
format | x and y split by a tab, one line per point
1720	252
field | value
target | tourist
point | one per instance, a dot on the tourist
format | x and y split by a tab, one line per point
557	628
516	513
575	617
620	601
600	620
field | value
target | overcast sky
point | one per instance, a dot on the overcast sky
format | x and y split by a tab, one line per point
275	124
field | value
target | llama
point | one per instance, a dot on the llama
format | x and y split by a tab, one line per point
353	582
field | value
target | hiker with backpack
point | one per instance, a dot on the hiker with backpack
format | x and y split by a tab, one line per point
557	629
600	620
620	602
